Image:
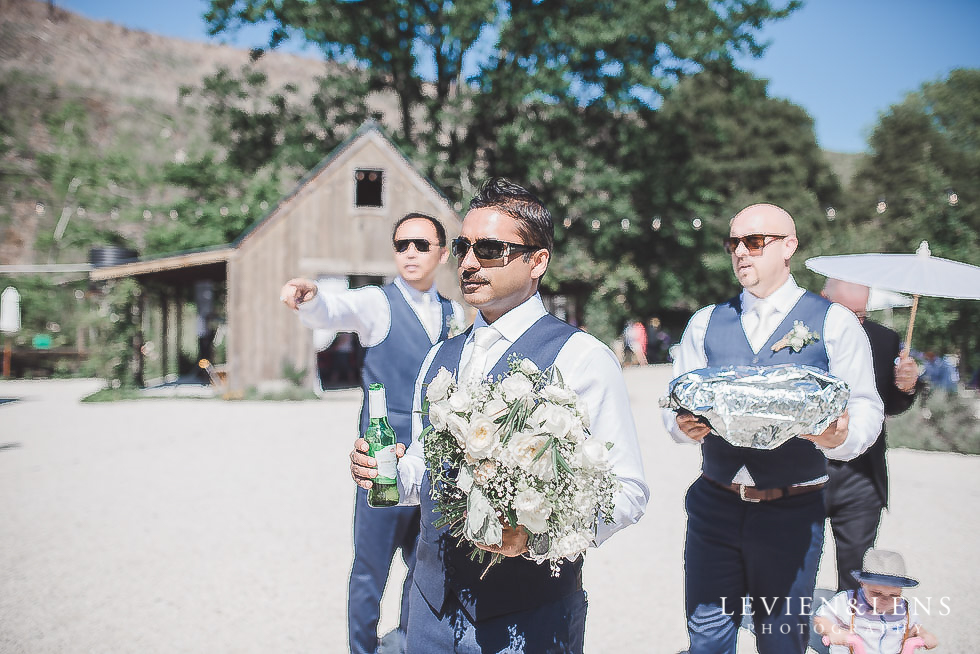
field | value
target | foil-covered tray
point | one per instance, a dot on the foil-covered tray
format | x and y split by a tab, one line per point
760	406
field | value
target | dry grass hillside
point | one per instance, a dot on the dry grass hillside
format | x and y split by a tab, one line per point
120	63
129	83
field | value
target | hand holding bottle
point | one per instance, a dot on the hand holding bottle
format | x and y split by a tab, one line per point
363	467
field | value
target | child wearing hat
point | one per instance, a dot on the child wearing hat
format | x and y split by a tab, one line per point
877	612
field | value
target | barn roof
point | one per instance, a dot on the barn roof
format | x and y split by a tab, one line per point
211	263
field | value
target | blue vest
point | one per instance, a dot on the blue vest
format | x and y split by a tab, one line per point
725	344
443	565
395	361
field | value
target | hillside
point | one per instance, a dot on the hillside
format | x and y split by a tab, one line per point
127	83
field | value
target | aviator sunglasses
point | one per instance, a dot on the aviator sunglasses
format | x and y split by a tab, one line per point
753	242
401	245
488	248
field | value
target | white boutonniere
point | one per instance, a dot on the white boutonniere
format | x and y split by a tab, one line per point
797	338
453	326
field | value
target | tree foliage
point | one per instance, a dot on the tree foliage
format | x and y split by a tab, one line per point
925	169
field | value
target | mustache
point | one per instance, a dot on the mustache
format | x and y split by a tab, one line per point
472	277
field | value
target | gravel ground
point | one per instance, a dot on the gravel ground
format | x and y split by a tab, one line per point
195	525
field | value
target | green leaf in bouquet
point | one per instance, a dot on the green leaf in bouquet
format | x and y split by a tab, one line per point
560	460
512	517
544	449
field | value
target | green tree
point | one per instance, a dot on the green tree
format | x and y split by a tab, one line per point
562	96
922	182
260	140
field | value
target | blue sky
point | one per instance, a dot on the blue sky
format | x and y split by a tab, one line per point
844	61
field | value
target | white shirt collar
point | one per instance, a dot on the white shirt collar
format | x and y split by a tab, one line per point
515	322
413	293
782	299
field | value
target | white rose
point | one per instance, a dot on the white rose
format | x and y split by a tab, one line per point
485	472
594	454
571	545
558	394
577	433
516	386
438	413
528	367
523	447
464	479
532	510
553	419
439	386
461	401
457	426
482	525
481	438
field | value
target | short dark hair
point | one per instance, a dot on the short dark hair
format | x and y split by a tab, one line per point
440	230
534	223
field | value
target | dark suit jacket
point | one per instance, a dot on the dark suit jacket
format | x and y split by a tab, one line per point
885	347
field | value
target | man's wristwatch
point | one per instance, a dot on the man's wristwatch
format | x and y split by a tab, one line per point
538	544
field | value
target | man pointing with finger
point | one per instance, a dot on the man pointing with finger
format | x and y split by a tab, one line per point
756	517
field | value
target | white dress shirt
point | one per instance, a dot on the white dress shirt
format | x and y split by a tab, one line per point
848	350
592	371
366	312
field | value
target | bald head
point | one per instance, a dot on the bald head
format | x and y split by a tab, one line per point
852	296
763	218
765	268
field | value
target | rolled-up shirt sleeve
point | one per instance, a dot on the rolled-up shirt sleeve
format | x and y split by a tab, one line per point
411	467
364	311
592	371
850	361
688	355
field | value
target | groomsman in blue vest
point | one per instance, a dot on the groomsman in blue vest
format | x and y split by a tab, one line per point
756	517
502	253
397	324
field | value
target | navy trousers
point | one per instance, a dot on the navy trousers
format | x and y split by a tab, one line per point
554	628
758	557
854	509
378	533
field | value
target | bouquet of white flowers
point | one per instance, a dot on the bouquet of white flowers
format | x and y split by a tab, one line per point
518	449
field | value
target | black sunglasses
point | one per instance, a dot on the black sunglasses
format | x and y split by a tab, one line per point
488	248
753	242
421	244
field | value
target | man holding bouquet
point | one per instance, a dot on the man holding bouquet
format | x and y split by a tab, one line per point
756	517
459	604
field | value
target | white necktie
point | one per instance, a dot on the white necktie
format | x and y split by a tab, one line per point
483	338
760	333
429	319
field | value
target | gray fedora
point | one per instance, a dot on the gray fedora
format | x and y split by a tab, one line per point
884	568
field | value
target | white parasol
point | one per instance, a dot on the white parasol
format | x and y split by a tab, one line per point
916	274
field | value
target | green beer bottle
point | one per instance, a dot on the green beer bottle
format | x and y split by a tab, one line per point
381	439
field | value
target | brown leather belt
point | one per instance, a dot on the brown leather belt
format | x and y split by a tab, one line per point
753	494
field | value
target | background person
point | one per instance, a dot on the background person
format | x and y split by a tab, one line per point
397	324
876	612
858	489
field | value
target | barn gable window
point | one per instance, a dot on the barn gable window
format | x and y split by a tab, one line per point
368	187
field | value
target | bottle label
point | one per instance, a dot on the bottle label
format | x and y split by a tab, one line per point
387	464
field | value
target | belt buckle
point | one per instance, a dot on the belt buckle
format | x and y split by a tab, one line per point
741	494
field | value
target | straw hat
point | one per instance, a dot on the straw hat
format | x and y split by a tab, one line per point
884	568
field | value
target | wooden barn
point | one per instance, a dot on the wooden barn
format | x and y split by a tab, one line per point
335	227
